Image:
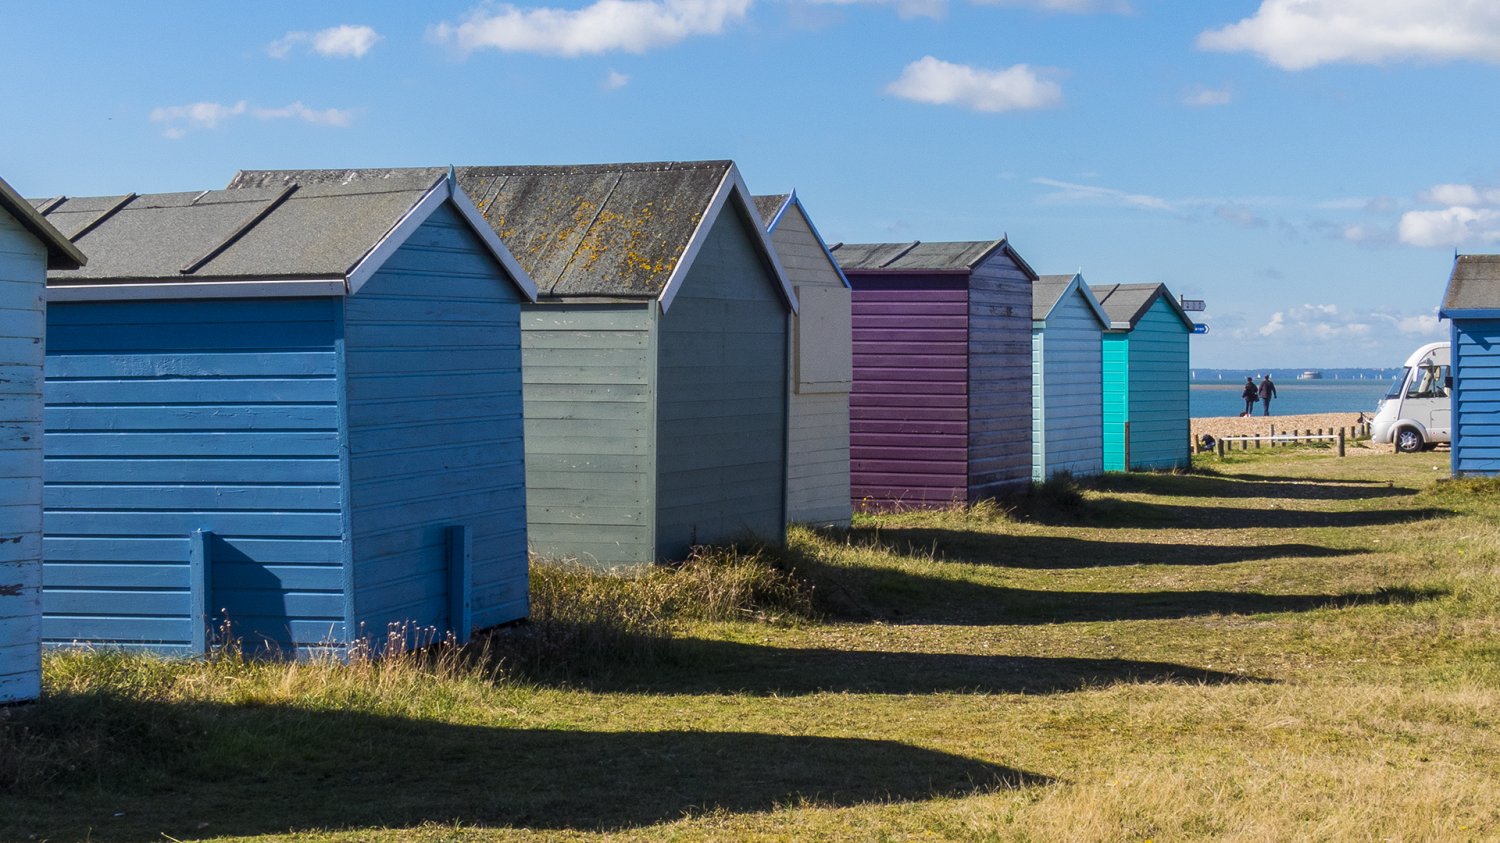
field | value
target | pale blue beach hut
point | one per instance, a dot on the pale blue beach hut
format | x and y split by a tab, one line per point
1067	381
295	410
1145	357
29	246
1472	303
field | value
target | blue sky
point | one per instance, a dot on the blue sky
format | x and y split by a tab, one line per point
1308	167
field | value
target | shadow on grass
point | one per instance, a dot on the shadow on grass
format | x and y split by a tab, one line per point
723	667
1116	513
897	596
1063	552
1249	486
218	770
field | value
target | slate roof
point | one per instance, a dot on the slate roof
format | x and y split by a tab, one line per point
615	230
769	205
318	231
1474	284
914	256
1045	292
61	253
1125	304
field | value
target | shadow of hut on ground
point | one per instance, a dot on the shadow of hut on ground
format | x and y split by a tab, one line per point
243	770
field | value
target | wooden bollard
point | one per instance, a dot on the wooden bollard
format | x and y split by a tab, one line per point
1220	443
1273	436
1341	441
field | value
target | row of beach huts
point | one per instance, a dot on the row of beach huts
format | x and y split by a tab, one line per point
315	404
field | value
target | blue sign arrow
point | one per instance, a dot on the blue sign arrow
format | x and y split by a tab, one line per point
1200	328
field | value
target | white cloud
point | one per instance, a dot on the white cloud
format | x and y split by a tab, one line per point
1203	97
1069	192
633	26
1239	215
181	119
1299	34
345	41
614	80
938	82
1449	227
197	115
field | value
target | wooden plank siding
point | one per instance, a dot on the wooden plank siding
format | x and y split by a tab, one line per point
166	417
589	375
821	375
909	406
999	373
1067	416
433	372
1476	396
722	399
23	275
1158	395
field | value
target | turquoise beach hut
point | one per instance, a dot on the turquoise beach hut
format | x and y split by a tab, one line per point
295	410
655	358
29	246
1067	381
1472	302
1145	357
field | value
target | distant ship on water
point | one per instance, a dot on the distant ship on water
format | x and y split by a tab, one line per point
1310	375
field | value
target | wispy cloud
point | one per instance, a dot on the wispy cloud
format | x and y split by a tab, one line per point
905	9
179	120
1300	34
347	41
1073	193
614	80
632	26
1329	323
937	82
1205	97
1076	7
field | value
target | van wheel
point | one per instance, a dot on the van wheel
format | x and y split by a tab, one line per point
1408	441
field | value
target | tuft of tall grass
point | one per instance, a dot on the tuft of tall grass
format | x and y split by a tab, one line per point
585	620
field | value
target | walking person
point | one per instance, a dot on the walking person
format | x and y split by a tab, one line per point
1267	392
1251	395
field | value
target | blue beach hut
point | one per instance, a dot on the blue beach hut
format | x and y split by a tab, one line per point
1472	303
297	410
1145	357
1067	381
29	246
655	358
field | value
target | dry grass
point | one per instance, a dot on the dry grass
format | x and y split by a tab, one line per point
1284	646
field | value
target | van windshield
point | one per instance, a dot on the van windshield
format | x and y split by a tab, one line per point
1397	384
1428	381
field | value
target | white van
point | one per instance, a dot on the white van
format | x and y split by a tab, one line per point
1416	413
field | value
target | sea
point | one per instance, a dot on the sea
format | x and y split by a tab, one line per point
1210	398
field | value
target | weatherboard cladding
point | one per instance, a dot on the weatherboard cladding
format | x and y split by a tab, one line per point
1067	379
28	245
1145	378
1472	302
941	403
324	445
820	369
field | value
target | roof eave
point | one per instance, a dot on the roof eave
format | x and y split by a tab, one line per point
61	252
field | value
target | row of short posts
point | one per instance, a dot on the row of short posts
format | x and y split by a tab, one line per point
1343	433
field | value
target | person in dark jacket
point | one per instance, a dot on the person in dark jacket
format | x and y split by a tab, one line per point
1251	395
1267	392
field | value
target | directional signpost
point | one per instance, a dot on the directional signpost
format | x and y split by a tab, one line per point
1200	328
1191	305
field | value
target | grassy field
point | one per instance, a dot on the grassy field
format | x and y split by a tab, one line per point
1282	646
